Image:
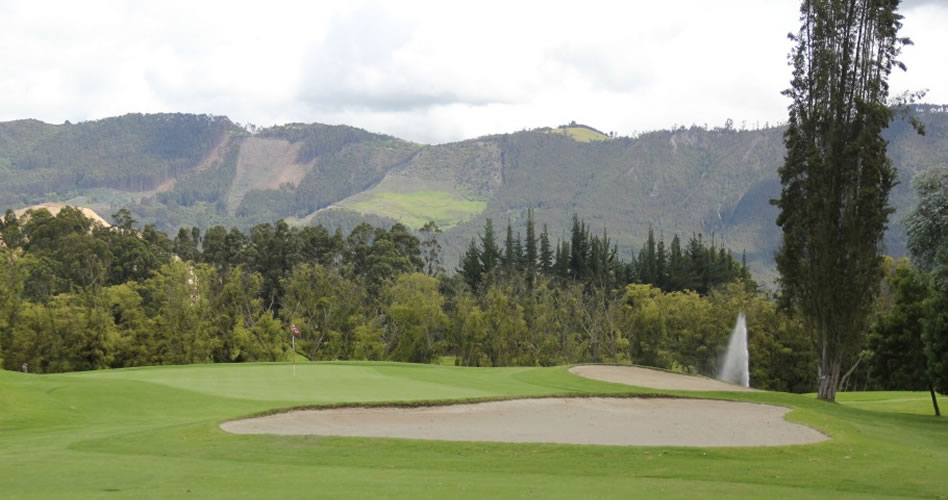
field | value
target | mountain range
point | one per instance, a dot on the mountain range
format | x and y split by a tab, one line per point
175	170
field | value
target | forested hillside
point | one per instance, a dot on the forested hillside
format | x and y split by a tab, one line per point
186	170
129	153
176	170
715	182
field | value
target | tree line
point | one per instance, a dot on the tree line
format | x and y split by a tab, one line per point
593	259
77	296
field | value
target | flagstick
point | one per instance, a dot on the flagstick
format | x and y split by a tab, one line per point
294	355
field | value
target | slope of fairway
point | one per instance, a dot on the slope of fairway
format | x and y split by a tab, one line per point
316	383
153	433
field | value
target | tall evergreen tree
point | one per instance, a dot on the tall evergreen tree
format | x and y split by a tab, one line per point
531	244
561	264
677	269
519	257
489	254
661	264
510	257
697	264
579	249
546	253
470	267
648	260
836	178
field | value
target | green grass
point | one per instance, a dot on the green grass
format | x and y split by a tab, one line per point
153	432
580	134
414	209
917	403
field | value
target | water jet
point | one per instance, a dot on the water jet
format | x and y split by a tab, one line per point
736	366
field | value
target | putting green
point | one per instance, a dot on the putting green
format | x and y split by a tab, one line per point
316	383
153	432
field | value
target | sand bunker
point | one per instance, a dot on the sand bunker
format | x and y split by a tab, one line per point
605	421
656	379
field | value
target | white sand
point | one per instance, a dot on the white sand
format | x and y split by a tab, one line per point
605	421
656	379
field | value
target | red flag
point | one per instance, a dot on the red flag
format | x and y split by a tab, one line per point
296	332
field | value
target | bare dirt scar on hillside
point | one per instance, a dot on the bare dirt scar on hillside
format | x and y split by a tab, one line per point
603	421
655	379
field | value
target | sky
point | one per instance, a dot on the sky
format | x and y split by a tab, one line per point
430	72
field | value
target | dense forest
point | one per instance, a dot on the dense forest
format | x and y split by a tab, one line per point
131	152
77	296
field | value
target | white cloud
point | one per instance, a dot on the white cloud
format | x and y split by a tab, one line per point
425	71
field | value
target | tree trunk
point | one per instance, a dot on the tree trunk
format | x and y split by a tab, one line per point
829	376
931	389
844	380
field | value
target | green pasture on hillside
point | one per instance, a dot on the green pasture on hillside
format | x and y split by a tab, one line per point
416	208
580	134
153	432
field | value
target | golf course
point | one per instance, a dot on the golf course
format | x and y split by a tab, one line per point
156	432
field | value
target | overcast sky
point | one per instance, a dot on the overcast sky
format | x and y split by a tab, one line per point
425	71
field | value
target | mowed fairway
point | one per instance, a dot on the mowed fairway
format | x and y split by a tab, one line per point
153	432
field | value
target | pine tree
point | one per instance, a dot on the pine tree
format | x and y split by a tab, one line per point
510	257
489	253
579	249
561	265
677	270
557	258
697	258
546	253
520	258
750	286
601	259
661	265
648	260
530	255
470	267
